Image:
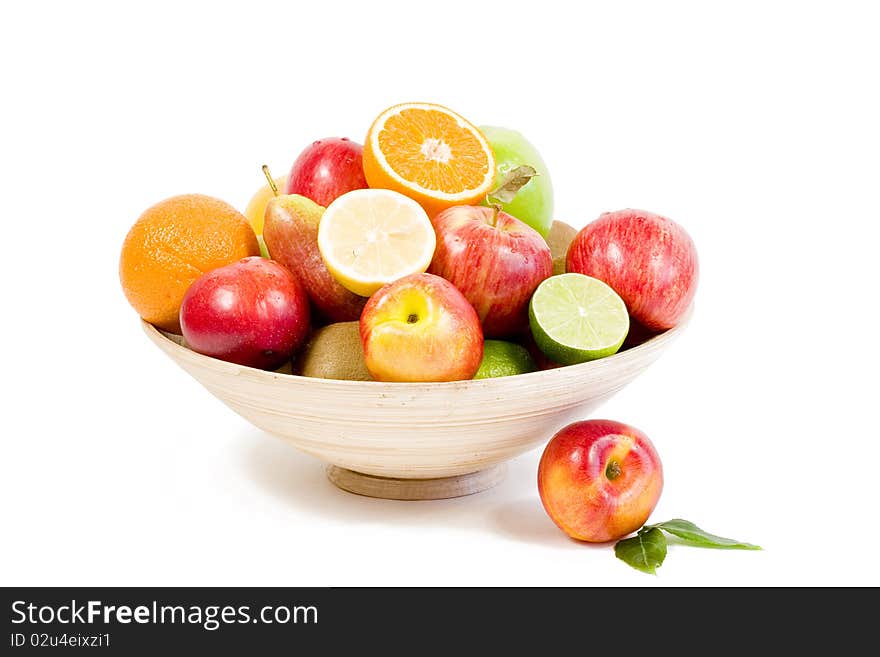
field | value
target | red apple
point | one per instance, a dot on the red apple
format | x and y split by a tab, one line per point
252	312
326	169
649	260
495	260
421	328
599	480
291	235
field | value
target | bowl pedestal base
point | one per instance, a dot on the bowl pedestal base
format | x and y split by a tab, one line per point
391	488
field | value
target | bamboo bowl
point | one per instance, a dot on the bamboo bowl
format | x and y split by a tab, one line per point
415	440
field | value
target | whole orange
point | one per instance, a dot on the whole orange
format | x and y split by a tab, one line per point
172	244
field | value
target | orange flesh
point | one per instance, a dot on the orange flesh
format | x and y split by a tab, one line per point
430	149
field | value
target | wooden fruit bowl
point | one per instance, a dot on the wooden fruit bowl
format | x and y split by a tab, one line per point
415	440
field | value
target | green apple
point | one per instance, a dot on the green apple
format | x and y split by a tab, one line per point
533	204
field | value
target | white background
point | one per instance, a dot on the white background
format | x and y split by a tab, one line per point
755	127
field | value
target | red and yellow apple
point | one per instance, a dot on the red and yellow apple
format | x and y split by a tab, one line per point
421	328
649	260
252	312
495	260
599	480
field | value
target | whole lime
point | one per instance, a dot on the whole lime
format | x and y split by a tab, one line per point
533	203
501	358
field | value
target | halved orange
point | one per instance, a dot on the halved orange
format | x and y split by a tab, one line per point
429	153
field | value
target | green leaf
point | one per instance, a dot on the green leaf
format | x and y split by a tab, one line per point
693	535
515	180
645	551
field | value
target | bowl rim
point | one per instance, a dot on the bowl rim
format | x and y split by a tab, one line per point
161	338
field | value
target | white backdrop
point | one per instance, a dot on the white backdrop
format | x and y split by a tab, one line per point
755	127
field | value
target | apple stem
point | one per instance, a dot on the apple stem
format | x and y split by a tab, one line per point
271	180
496	209
612	470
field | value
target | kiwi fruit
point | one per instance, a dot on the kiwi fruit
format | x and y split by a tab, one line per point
334	352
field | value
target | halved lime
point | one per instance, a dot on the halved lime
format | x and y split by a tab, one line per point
502	358
576	318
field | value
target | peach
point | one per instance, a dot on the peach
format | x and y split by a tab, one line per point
599	480
421	328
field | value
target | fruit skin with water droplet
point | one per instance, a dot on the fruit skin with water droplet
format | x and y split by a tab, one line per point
495	260
649	260
599	480
327	169
252	312
421	328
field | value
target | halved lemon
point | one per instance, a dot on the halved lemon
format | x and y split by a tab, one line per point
371	237
429	153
